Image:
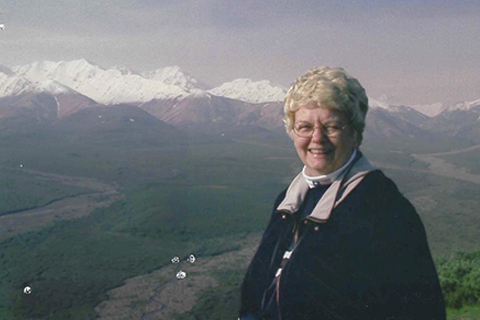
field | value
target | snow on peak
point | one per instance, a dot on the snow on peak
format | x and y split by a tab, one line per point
430	110
198	93
173	76
377	104
250	91
385	103
13	85
81	70
464	105
52	86
122	70
111	86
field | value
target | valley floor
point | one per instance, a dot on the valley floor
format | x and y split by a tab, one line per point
446	169
160	295
102	195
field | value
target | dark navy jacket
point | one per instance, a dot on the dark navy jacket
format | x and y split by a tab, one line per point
368	260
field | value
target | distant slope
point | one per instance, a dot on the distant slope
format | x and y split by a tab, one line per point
119	125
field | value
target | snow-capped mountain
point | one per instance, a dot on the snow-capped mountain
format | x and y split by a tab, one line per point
20	90
430	110
459	120
250	91
120	85
64	88
53	87
13	85
111	86
465	106
405	113
377	104
173	76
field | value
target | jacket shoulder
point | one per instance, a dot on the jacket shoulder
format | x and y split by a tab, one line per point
279	199
380	196
396	217
377	179
380	189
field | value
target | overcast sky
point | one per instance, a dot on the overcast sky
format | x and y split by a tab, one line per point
410	51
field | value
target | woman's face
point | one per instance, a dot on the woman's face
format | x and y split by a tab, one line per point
320	153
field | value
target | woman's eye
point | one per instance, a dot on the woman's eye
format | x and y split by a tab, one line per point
305	127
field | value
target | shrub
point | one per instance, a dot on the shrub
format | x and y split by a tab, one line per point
460	279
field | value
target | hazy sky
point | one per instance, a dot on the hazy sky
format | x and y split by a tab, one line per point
411	51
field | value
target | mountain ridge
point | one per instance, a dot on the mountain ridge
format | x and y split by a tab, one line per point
125	86
121	85
56	89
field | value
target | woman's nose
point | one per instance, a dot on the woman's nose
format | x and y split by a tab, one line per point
318	134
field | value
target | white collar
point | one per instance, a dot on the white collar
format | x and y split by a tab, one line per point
329	177
340	188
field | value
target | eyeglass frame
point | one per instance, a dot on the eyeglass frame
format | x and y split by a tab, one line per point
323	130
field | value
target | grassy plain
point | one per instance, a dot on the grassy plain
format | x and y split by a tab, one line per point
468	160
22	191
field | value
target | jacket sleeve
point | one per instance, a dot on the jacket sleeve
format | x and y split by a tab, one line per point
254	282
409	288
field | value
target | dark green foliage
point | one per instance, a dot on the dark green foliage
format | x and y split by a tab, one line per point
465	313
21	191
460	279
222	302
71	264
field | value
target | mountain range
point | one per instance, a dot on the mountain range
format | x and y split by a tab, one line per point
120	85
49	91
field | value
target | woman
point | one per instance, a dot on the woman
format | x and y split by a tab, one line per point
342	242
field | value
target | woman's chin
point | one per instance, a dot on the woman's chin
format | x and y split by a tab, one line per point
317	170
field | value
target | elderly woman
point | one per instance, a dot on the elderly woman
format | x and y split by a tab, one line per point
342	242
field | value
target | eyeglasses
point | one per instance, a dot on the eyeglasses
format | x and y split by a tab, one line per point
306	130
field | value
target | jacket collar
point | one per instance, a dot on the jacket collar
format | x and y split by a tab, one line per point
335	194
329	177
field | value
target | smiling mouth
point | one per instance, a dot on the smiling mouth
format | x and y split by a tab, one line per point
318	151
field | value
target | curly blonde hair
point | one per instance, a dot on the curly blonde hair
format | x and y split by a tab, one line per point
330	88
